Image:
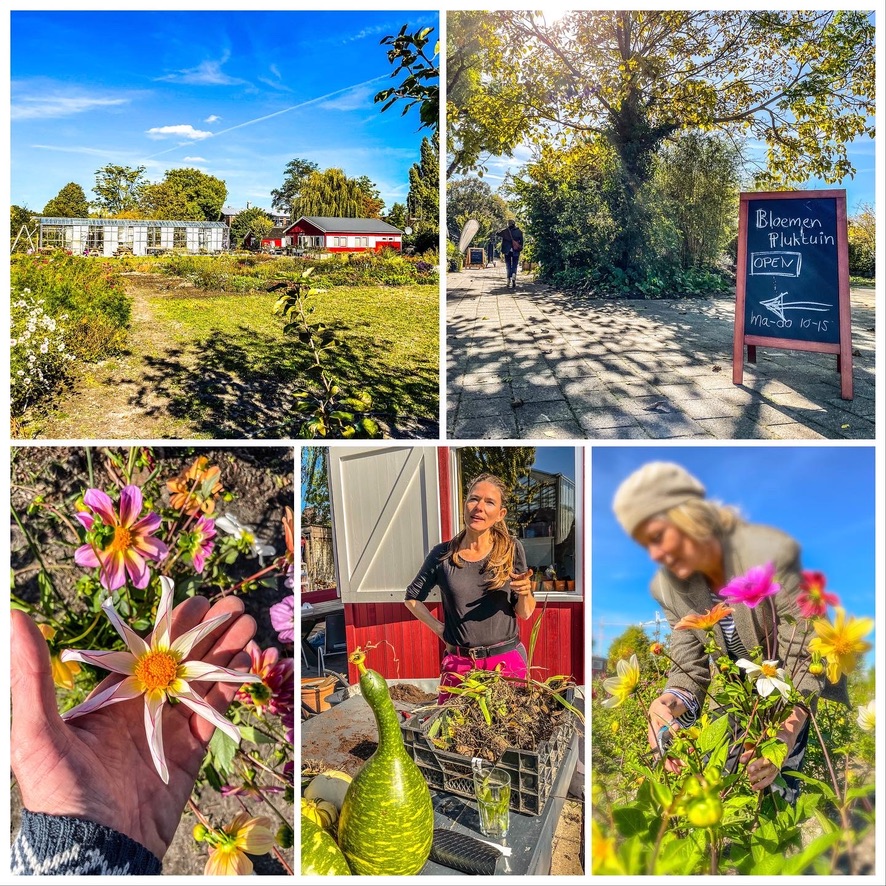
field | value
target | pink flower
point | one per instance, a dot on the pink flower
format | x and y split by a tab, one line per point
753	587
276	691
198	542
283	619
119	544
813	599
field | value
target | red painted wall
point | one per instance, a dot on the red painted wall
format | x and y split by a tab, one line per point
400	636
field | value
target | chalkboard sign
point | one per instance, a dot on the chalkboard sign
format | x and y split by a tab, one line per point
792	288
476	257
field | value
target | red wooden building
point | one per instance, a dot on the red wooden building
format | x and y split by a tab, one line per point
390	506
314	232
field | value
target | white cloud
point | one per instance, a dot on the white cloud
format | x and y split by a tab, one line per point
182	130
193	159
212	118
354	99
208	73
41	105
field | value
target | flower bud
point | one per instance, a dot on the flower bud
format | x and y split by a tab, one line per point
200	831
705	812
284	837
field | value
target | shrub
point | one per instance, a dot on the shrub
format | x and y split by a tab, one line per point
39	355
89	291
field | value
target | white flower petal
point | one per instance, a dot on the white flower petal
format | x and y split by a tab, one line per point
136	645
201	670
200	707
748	666
125	690
160	639
117	662
154	730
229	523
182	645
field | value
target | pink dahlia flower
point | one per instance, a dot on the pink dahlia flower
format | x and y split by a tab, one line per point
119	544
752	587
283	619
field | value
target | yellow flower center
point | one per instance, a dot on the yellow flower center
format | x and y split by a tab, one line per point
156	670
769	670
122	539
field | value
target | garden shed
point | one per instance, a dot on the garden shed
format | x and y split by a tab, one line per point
110	236
338	235
390	506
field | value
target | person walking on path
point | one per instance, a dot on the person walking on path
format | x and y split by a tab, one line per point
511	244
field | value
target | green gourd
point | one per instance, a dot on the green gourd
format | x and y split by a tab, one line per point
387	820
320	857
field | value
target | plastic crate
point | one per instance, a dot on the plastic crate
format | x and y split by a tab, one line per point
533	773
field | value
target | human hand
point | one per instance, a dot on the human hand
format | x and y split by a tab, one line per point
761	772
521	582
661	716
98	766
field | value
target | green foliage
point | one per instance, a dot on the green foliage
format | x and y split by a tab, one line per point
632	641
863	242
511	464
331	193
315	484
471	197
420	86
294	176
70	202
89	292
329	410
423	200
20	217
253	220
184	195
454	258
118	189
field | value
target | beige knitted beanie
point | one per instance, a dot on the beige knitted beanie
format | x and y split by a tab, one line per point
653	489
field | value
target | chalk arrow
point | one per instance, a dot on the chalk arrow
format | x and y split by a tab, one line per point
778	305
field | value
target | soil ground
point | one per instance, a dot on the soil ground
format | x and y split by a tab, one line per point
261	480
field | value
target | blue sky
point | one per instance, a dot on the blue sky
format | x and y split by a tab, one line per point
237	95
824	496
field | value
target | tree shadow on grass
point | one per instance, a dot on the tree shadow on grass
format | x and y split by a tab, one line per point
243	384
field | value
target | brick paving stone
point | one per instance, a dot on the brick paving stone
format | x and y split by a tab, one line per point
606	357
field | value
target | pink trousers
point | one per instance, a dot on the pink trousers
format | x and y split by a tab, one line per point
513	665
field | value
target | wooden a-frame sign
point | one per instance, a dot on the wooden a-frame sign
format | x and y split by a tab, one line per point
792	280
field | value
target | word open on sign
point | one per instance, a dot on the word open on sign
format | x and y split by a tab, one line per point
776	264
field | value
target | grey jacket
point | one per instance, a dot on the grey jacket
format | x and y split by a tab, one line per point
746	546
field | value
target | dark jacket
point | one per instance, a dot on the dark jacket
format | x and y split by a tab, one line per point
511	240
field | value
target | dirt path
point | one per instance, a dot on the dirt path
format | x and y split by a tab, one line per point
109	401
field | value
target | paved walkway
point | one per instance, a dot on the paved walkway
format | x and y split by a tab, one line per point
536	363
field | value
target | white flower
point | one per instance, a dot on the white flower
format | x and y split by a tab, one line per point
158	670
771	677
44	348
867	716
230	524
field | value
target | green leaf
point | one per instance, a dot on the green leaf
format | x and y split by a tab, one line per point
663	795
713	734
629	821
223	750
822	786
798	864
250	733
775	751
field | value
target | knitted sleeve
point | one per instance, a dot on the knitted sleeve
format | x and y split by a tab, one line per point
55	844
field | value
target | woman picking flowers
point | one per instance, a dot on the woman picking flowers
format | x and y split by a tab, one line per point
724	584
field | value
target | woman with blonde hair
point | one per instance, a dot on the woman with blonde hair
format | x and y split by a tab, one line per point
485	587
701	546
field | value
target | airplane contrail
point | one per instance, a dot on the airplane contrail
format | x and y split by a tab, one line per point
304	104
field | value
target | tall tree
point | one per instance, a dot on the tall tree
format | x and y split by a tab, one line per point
315	483
423	201
184	195
802	82
253	219
70	202
511	464
332	193
118	189
472	197
633	641
294	176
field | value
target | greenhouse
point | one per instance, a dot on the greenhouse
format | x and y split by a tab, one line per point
115	236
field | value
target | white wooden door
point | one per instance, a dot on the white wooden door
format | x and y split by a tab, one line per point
385	518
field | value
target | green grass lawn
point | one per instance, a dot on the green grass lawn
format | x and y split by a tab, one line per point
230	344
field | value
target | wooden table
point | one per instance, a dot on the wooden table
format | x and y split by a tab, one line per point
530	837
